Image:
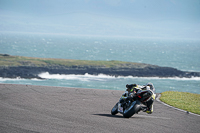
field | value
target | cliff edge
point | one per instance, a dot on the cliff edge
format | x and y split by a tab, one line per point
29	67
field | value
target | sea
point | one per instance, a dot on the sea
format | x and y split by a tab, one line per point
182	54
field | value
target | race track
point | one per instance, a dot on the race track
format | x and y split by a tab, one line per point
31	109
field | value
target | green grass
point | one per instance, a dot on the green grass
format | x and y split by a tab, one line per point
182	100
40	62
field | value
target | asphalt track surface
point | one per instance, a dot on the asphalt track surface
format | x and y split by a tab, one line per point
31	109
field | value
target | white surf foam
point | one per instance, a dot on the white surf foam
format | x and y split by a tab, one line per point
87	76
6	79
170	78
17	79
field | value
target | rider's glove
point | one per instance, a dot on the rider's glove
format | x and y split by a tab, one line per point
128	98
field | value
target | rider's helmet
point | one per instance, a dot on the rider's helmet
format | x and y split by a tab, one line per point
150	85
130	87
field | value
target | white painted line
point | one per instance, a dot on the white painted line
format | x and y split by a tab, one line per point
145	116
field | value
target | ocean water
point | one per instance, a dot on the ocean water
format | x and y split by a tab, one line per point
181	54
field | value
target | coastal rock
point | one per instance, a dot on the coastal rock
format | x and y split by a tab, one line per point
29	72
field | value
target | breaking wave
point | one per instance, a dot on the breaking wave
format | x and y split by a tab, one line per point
87	76
84	77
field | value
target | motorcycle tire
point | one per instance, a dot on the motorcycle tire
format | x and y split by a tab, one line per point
114	110
132	109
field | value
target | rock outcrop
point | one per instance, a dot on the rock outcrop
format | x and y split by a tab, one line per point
29	72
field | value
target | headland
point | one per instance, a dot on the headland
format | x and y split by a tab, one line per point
30	67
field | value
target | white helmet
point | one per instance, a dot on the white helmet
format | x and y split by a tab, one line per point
150	85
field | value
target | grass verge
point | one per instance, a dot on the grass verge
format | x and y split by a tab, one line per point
182	100
8	60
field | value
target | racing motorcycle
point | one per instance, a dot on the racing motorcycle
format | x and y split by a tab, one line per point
133	104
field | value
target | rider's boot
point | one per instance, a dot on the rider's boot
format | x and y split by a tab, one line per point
149	109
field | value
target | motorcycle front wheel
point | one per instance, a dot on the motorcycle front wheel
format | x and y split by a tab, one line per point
133	108
114	110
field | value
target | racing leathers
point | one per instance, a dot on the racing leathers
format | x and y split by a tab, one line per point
132	89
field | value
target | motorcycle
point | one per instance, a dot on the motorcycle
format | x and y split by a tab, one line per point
133	104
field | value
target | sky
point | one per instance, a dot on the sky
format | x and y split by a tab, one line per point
168	19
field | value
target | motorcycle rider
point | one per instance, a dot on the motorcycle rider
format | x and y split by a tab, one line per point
132	89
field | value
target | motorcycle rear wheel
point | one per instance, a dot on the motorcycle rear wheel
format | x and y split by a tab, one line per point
132	109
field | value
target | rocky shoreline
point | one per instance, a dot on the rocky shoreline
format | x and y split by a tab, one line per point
29	72
29	67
